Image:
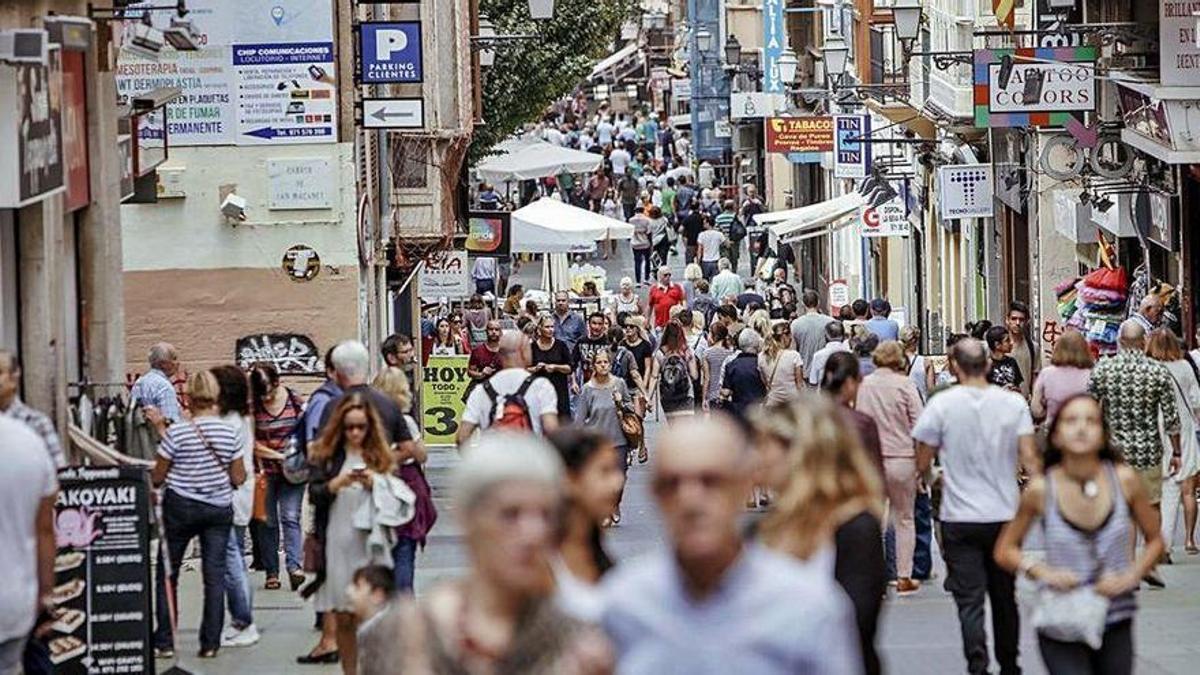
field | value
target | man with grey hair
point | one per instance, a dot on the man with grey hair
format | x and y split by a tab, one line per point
12	406
1133	391
710	602
511	389
726	282
835	341
351	370
741	383
978	431
154	390
1149	313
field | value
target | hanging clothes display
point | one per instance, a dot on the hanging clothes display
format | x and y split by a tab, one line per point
1098	306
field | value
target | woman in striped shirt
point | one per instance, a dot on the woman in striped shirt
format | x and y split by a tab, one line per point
277	410
198	462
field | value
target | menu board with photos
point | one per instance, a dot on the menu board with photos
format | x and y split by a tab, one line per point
102	583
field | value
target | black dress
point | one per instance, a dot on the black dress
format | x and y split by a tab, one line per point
556	355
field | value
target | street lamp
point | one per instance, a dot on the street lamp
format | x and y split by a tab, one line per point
787	64
487	33
541	9
906	16
835	53
703	40
733	50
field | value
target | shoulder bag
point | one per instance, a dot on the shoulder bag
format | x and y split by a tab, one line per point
216	458
1077	615
632	424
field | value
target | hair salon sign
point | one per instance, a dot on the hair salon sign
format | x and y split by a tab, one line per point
1033	87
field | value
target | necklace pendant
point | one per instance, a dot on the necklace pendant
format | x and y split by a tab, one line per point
1091	489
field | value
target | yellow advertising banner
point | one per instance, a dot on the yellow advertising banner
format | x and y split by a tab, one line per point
442	392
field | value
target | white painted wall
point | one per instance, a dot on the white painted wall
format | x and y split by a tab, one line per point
191	233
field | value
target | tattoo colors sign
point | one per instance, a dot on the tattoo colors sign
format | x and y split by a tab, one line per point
798	134
443	391
263	75
1033	87
102	572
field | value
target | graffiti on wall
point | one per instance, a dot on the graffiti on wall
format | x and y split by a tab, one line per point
1051	329
290	353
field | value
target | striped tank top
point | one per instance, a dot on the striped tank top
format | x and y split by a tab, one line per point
1091	554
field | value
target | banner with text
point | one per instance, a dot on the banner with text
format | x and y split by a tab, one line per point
445	276
799	134
885	220
851	157
442	393
263	75
1033	87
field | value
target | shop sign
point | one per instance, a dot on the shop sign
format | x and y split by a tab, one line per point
75	138
965	191
489	233
300	184
753	104
151	148
1042	92
1151	213
851	158
301	263
442	392
1049	21
102	585
445	276
1145	116
1178	43
798	134
839	295
391	52
32	125
263	74
681	88
775	41
290	353
884	220
1072	217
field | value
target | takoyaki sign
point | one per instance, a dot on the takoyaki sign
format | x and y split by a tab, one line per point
102	586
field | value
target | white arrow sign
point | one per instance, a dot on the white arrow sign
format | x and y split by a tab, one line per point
393	113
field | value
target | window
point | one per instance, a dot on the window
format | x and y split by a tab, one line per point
410	162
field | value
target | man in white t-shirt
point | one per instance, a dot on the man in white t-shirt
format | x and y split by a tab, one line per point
604	132
620	158
28	486
978	431
482	410
709	242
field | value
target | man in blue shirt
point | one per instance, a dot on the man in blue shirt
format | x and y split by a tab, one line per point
879	323
568	326
711	603
155	389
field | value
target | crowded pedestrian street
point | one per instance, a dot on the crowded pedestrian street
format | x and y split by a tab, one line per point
599	337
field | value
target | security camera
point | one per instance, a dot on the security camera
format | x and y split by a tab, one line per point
147	39
234	207
183	35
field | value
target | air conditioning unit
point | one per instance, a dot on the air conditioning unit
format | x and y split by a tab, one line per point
25	45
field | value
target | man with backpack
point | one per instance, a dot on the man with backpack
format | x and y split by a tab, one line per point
513	399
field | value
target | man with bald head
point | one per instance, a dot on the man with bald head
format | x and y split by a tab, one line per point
487	402
1149	314
713	603
1133	390
978	431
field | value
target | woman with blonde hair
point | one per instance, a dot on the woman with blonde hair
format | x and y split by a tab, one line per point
349	457
1066	376
827	504
760	321
780	366
691	275
1166	348
890	398
393	381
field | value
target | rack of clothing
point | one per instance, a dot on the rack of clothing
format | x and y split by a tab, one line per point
99	409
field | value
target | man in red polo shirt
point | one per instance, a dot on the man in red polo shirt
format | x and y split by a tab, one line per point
663	296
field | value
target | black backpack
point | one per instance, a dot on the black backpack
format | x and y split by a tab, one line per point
737	230
675	383
514	416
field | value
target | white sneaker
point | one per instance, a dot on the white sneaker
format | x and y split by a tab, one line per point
228	632
241	638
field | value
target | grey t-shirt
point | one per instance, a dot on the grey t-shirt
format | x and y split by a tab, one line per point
597	410
808	332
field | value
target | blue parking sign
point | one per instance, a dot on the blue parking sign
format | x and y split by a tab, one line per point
390	52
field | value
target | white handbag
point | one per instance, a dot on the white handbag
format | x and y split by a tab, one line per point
1077	615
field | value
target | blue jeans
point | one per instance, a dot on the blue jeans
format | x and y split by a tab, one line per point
404	563
183	520
238	594
923	554
283	513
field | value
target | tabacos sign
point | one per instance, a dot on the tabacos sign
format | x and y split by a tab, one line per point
1033	86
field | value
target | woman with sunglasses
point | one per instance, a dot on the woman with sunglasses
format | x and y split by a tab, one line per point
1090	505
351	454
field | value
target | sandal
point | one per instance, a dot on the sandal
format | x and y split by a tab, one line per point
322	658
1191	549
272	584
643	454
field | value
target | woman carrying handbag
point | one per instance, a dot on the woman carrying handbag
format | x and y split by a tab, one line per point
1089	504
604	404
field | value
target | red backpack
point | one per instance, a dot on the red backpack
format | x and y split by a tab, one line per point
514	416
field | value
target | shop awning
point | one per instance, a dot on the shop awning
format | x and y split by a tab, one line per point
906	116
535	160
629	51
815	219
551	226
